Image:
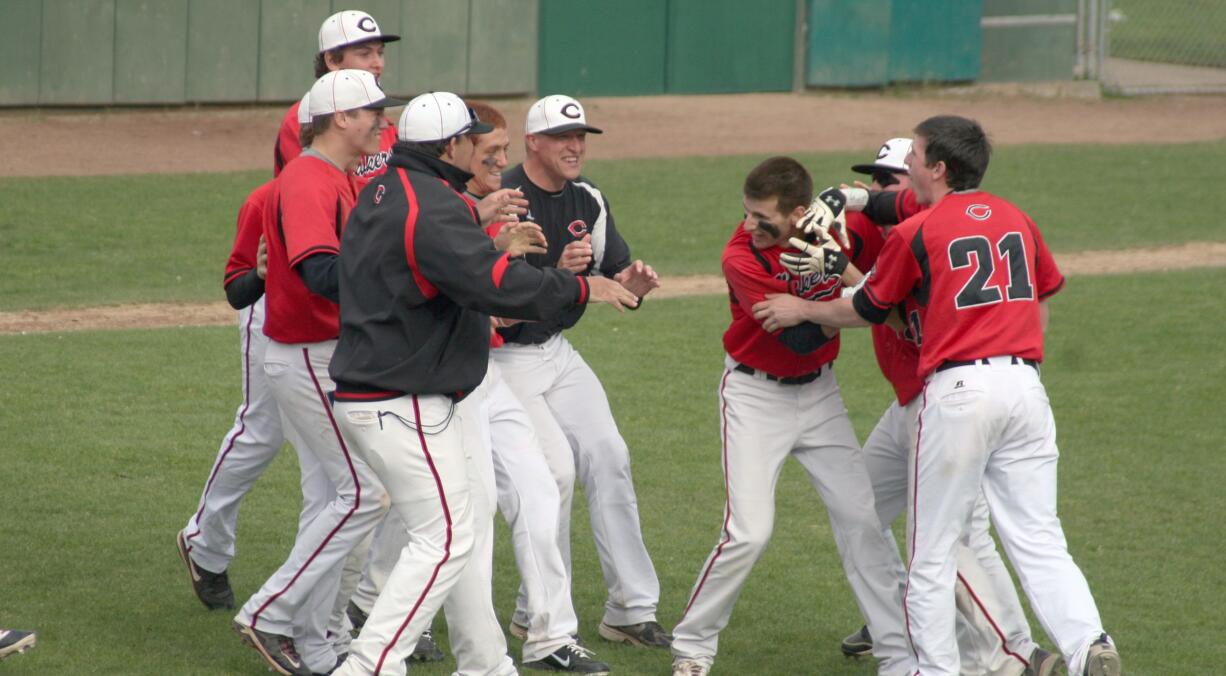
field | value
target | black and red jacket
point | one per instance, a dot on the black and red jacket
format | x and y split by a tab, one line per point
419	280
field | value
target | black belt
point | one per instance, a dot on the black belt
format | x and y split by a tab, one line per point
788	380
1012	360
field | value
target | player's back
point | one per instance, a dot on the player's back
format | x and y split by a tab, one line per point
984	268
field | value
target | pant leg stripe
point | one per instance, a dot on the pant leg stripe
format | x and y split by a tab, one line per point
1004	645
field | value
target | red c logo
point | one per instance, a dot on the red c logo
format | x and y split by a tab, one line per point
979	212
577	228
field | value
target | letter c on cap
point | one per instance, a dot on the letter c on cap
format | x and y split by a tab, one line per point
885	150
367	24
571	110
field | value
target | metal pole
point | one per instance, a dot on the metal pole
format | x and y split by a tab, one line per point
1079	68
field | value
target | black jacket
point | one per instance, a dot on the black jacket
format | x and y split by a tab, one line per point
418	281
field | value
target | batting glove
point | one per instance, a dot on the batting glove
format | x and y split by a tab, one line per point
825	218
825	259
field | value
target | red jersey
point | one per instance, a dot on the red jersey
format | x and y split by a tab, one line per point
976	267
288	147
306	214
247	238
751	274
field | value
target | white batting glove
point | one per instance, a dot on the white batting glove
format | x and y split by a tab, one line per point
825	218
825	259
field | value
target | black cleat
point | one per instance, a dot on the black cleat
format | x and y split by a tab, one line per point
858	644
357	616
277	651
427	650
13	642
643	634
213	589
571	659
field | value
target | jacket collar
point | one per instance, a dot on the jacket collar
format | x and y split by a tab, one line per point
413	160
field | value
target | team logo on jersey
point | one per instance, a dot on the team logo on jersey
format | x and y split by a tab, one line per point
367	24
379	193
577	229
810	286
572	111
979	212
369	164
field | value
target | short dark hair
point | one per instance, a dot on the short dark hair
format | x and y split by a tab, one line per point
321	62
318	125
783	178
961	144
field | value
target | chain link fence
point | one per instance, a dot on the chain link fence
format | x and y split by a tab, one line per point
1139	47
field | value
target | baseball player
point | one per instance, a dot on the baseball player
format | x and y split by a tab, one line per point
206	544
347	40
13	642
306	213
994	636
418	277
778	399
978	274
562	395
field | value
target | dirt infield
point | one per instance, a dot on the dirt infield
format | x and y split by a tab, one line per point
162	315
74	143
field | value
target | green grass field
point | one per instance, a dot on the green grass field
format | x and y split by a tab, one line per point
144	238
109	436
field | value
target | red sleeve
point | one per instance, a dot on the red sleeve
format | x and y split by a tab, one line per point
309	212
287	146
896	273
749	282
907	205
494	228
866	240
1048	279
247	237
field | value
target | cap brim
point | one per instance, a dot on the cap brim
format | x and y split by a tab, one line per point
874	168
563	128
479	128
387	102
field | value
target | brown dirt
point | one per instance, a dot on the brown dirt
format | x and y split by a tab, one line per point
40	143
161	315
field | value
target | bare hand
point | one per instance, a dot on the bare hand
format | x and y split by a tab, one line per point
781	310
261	259
577	255
507	204
639	278
521	237
605	290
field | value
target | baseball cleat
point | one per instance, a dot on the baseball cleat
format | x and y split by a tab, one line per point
858	644
357	616
572	659
427	650
517	630
277	651
13	642
213	589
689	667
1043	663
1103	659
644	634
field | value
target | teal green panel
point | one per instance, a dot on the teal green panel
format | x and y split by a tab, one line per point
934	41
78	49
20	32
1018	7
502	47
223	50
434	53
387	15
590	47
848	43
1028	53
289	40
150	51
730	46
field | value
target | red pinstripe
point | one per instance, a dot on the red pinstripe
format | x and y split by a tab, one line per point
1004	645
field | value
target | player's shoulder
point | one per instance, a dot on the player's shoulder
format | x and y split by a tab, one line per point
741	255
259	195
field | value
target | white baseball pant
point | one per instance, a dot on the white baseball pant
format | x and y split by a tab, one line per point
763	423
994	637
528	500
571	416
431	455
298	599
246	451
990	426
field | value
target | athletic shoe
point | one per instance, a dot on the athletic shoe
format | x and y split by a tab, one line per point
572	659
643	634
427	650
858	644
1043	663
13	642
1103	659
277	651
518	630
213	589
688	667
357	616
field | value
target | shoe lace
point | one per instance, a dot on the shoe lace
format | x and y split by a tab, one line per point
579	651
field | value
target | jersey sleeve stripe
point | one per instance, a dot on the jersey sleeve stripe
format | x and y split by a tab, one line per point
321	249
500	269
410	227
234	274
583	289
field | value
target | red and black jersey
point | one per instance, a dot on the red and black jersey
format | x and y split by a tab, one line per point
751	274
306	214
866	241
247	237
976	267
287	148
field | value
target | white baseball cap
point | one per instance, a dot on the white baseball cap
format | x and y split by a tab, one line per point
438	116
304	109
349	89
556	114
892	158
349	28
